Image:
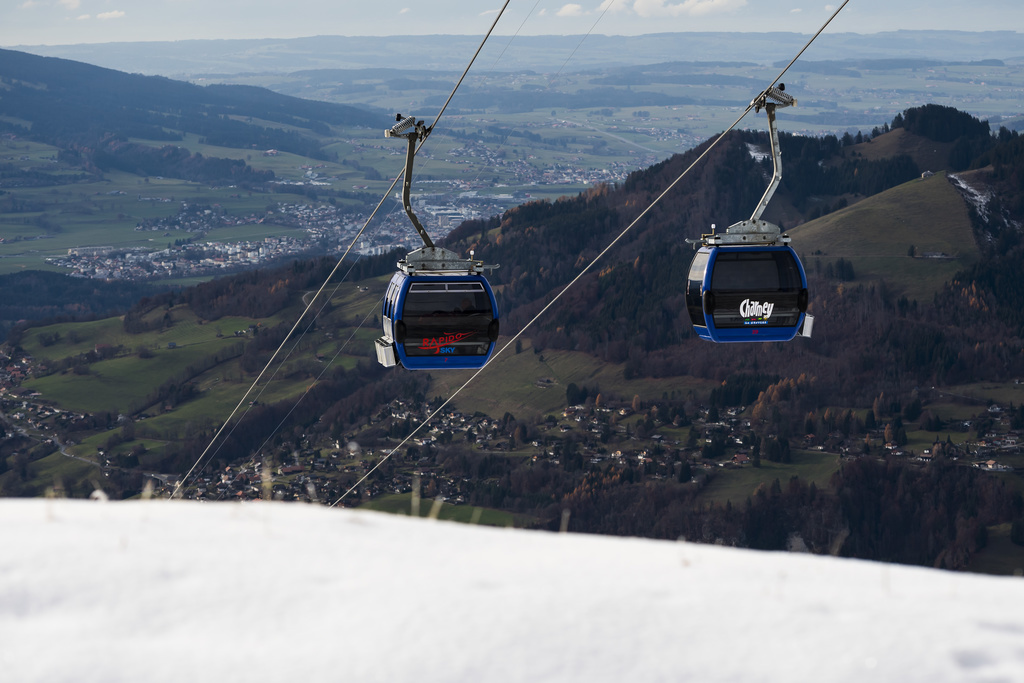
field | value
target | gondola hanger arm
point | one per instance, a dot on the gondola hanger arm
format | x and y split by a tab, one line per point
415	132
769	100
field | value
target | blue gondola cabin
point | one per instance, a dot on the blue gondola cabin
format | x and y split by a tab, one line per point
438	322
747	294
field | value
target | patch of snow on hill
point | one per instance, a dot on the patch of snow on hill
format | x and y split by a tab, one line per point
976	198
758	153
184	591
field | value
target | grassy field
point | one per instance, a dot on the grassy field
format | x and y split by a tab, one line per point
401	504
121	383
89	446
919	440
876	234
533	384
75	338
976	396
1001	556
185	331
216	401
57	470
738	484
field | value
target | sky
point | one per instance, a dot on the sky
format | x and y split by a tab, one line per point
67	22
155	591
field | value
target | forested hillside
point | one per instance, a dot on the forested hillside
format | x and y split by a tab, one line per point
39	295
631	308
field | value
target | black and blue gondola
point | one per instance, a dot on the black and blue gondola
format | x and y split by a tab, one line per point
441	321
746	293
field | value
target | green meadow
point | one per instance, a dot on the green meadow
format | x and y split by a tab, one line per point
57	470
738	484
534	384
401	504
187	348
1000	556
876	235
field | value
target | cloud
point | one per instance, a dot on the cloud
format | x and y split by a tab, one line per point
83	17
70	4
693	8
404	10
795	10
116	14
28	4
570	10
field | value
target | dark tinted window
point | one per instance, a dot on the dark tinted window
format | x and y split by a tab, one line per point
742	271
445	298
447	318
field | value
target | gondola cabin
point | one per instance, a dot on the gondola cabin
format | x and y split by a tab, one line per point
434	322
747	294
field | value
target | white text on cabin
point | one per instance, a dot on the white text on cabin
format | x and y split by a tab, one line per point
755	309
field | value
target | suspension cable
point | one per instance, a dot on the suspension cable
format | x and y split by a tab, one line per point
288	355
804	48
544	310
463	76
181	484
519	29
586	269
309	388
585	36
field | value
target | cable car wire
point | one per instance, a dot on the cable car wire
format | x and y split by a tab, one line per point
446	135
590	265
361	324
580	44
468	66
284	360
309	387
179	489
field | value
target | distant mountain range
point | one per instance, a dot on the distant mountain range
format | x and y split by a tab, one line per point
92	110
191	58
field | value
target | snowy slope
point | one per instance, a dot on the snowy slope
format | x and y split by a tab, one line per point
161	591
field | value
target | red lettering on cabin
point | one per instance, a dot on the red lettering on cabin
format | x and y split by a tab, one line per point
444	340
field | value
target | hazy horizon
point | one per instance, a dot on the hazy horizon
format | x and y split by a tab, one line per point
72	22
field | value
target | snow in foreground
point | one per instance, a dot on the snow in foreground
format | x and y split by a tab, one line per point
182	591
